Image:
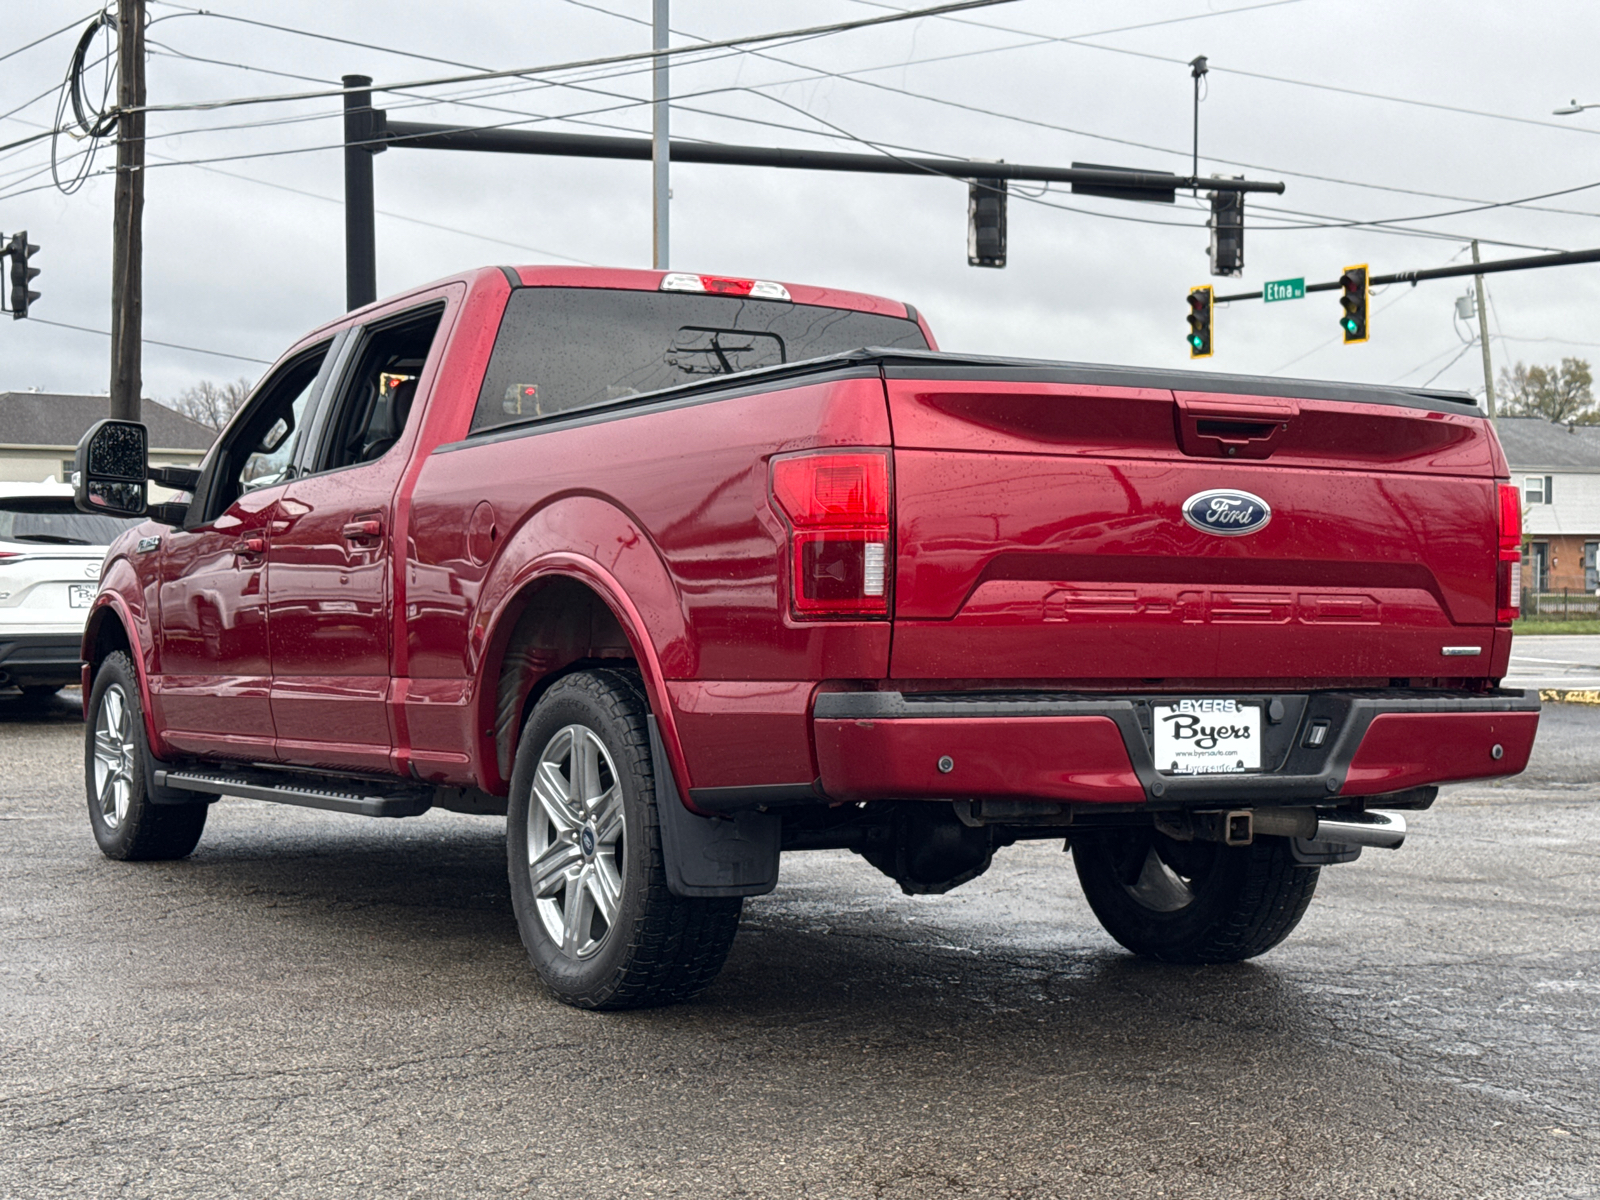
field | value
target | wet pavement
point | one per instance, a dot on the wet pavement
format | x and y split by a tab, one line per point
1555	661
320	1005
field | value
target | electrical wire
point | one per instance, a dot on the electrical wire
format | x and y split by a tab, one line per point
152	341
1331	222
45	38
806	33
1078	40
1460	354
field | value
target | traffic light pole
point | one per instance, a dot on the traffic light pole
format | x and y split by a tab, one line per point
374	133
127	238
1530	263
360	237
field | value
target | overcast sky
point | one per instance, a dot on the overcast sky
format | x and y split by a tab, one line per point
244	255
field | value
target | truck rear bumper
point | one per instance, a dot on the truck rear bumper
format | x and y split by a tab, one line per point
1088	749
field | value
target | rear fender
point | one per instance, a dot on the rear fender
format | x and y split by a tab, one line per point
593	542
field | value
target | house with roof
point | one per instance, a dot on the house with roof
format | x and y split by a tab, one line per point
1557	470
39	434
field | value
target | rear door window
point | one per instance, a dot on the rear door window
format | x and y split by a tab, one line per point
562	350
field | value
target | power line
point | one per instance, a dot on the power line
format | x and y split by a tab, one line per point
1078	40
153	341
46	37
577	64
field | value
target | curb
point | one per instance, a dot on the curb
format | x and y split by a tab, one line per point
1577	696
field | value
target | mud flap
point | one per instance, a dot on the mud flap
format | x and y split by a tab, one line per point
735	855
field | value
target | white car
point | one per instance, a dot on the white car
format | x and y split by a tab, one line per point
50	556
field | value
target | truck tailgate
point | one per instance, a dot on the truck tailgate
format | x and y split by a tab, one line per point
1041	536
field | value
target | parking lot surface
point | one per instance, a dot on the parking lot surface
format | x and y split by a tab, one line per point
321	1005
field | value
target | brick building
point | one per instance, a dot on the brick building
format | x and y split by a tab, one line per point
1557	469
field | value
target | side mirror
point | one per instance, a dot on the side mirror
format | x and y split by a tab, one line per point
111	468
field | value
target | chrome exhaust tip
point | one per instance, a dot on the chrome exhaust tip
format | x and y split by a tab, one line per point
1386	830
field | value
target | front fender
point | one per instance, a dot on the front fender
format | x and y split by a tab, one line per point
112	604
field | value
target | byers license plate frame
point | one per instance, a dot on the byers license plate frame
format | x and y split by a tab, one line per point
80	595
1206	735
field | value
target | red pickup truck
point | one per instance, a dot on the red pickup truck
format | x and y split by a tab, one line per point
681	571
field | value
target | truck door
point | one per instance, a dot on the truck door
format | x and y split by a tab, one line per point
331	552
211	689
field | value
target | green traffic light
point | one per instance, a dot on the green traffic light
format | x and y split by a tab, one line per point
1196	340
1349	324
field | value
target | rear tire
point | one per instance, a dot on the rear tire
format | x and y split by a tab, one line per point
1192	902
583	844
126	824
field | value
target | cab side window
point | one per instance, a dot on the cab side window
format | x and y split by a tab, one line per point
375	402
258	450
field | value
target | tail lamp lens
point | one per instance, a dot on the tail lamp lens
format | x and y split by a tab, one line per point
1509	601
838	509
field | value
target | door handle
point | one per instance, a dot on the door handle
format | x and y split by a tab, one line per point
250	547
368	529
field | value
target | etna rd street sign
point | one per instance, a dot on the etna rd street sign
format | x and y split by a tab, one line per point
1284	289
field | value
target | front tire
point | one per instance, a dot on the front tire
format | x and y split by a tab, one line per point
583	844
1192	902
126	824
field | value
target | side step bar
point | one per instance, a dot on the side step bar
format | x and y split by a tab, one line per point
264	787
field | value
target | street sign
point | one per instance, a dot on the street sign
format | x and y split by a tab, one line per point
1284	289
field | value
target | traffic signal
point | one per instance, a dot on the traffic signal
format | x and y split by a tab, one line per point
1227	233
986	223
1353	299
21	274
1200	322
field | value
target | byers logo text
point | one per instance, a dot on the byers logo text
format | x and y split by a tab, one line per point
1205	723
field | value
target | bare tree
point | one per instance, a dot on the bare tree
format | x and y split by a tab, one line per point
212	404
1561	394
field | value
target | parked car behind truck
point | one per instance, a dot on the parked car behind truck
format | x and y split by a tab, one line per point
680	572
50	555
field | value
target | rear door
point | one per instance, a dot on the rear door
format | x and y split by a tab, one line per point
1042	535
331	550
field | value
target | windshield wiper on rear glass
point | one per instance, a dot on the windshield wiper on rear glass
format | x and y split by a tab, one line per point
50	539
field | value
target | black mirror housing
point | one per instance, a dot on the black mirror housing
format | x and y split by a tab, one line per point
111	469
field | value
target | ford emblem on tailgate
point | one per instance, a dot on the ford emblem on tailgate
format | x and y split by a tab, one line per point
1226	512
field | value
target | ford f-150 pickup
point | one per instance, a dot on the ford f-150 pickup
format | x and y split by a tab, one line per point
679	572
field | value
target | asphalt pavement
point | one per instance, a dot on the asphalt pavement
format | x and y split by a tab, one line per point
1570	661
322	1005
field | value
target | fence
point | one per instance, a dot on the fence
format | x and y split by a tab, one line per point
1564	605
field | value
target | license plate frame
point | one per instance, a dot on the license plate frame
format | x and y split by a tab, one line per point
1206	735
80	595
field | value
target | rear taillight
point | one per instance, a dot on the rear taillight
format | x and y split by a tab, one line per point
838	511
1509	599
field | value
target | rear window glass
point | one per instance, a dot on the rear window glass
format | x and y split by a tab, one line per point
564	349
57	523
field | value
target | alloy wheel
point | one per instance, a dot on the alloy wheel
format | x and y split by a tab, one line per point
577	831
113	756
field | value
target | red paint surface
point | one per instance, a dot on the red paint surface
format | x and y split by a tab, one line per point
1403	750
1030	758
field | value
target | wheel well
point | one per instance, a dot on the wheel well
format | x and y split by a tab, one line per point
109	637
563	627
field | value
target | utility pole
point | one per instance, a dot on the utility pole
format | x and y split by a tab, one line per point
1197	71
1483	336
127	239
660	144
